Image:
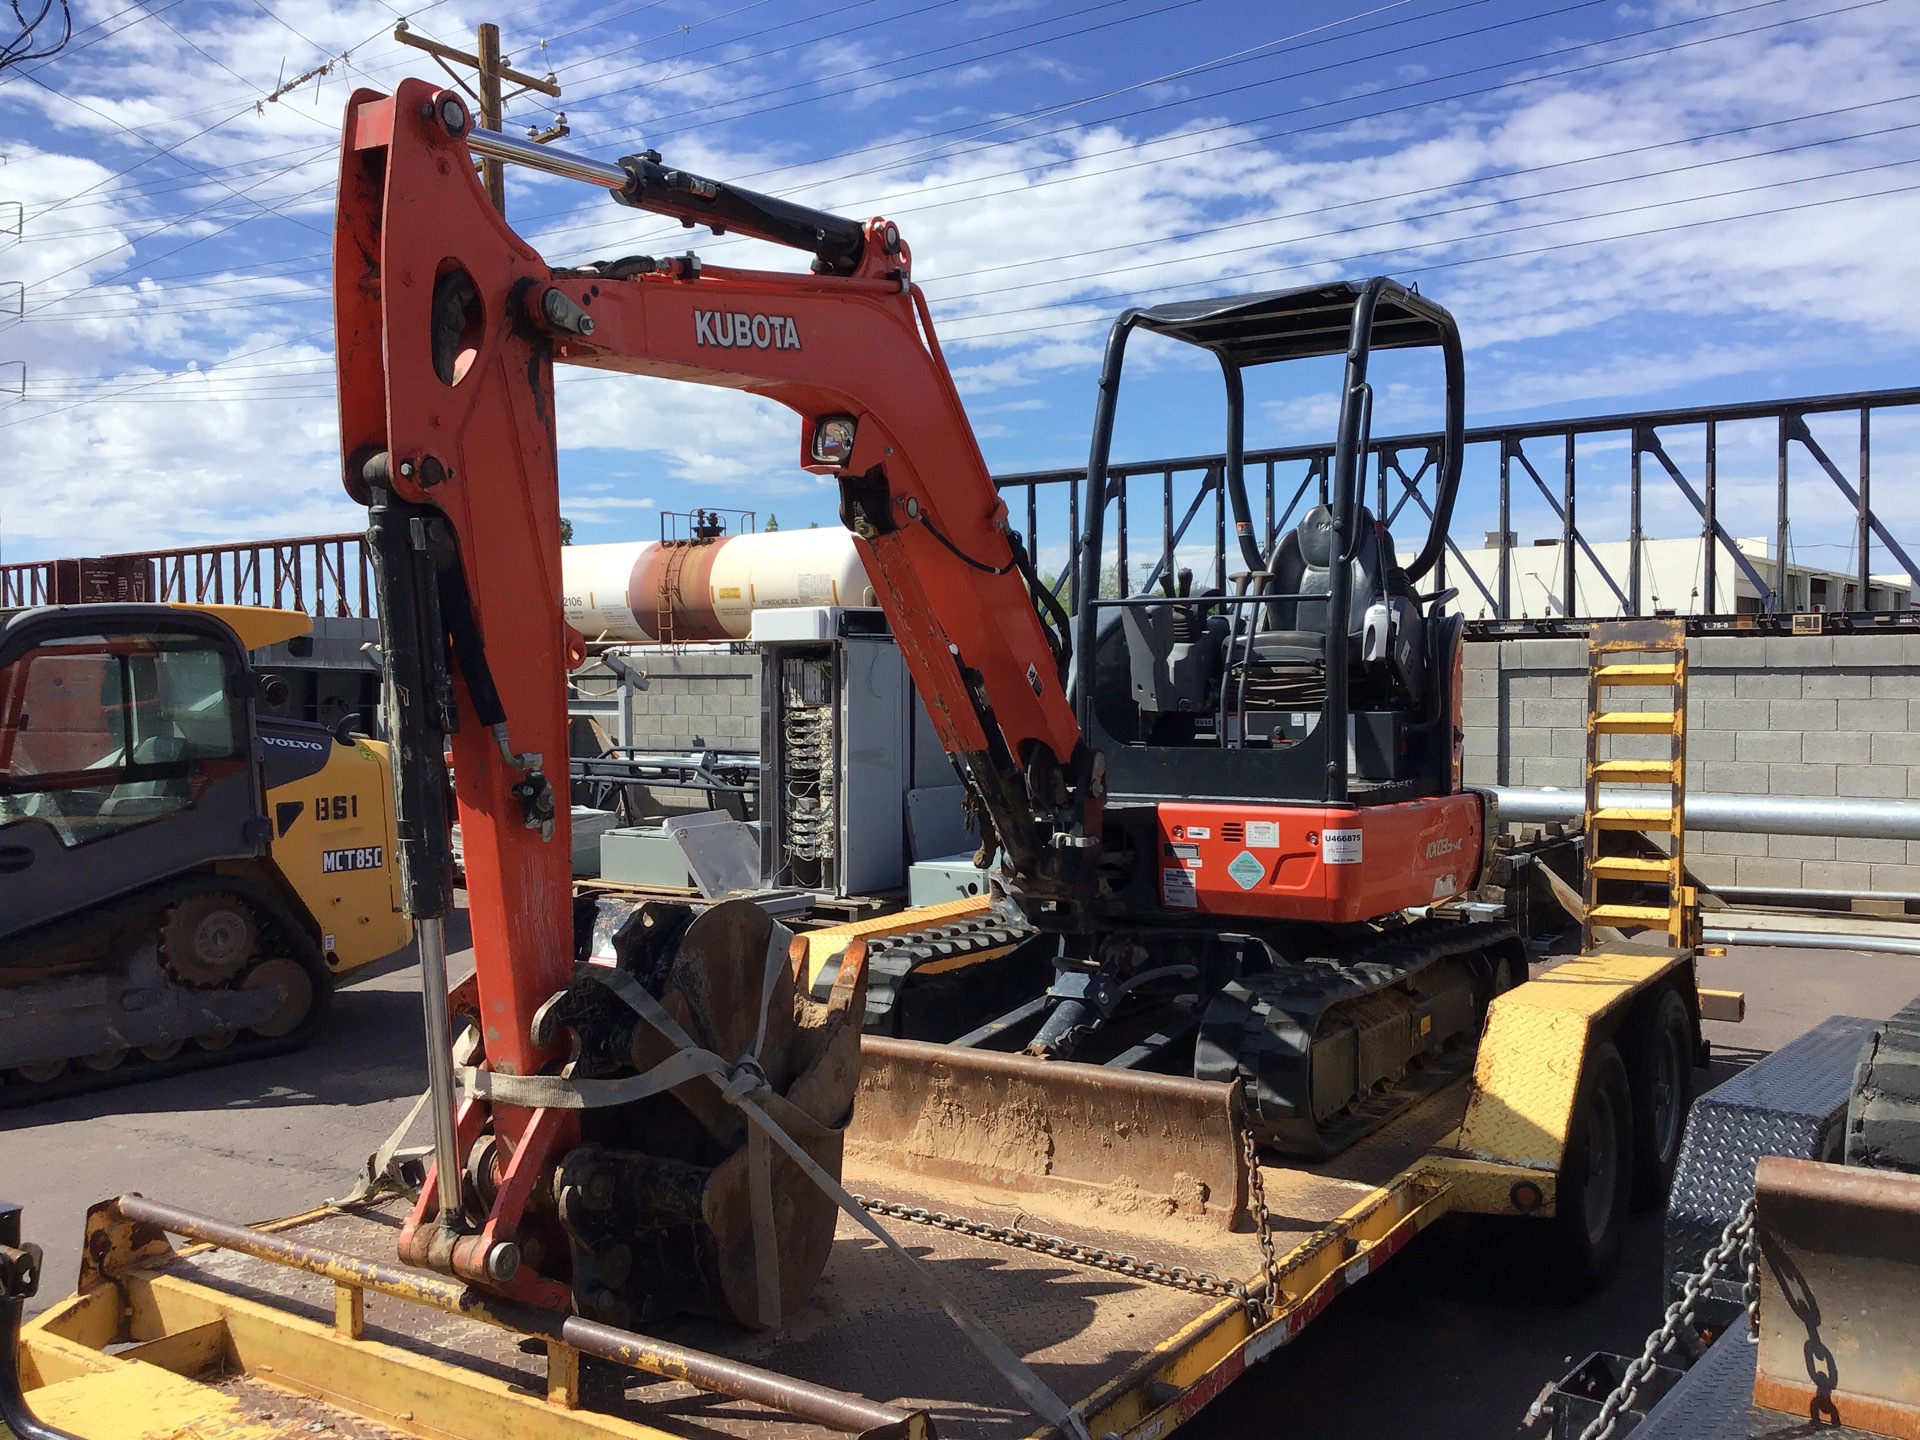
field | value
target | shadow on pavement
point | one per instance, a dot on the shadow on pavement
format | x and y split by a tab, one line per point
371	1049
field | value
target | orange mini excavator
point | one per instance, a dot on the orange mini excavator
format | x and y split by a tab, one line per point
1231	808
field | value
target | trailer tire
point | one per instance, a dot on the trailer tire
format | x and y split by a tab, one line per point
1596	1175
1659	1055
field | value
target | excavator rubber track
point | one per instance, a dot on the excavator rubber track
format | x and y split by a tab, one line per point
1883	1112
960	960
147	1021
1293	1035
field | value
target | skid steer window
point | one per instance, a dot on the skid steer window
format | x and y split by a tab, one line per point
99	734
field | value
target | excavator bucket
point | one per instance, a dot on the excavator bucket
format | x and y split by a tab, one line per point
1052	1136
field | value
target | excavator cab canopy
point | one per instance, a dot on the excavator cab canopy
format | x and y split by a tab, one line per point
1297	324
1321	633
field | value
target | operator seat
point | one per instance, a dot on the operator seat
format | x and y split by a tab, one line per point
1293	632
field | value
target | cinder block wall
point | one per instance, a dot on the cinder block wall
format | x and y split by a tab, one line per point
696	699
1775	715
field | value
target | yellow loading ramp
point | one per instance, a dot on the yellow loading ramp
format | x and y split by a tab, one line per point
1151	1304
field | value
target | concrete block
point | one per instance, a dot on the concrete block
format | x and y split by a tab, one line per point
1729	651
1551	714
1712	684
1834	747
1802	714
1569	744
1798	652
1767	685
1835	875
735	728
1869	782
1569	687
1713	870
1801	779
1913	852
702	685
1902	748
1482	740
1479	770
1479	684
1724	844
1710	744
1884	852
687	704
1837	685
1909	649
1763	746
1545	770
1739	715
1899	878
1525	744
1873	714
1861	650
1764	870
1800	847
1526	685
1735	779
1543	655
715	703
1896	684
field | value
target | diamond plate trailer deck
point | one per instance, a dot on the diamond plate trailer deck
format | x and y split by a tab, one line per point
310	1321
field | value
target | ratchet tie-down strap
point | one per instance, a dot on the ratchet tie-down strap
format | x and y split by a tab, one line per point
772	1120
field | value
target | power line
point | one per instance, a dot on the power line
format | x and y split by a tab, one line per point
1441	264
1134	148
1215	229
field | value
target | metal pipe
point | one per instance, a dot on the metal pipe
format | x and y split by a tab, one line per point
1729	814
433	987
1735	892
1812	940
832	1408
496	145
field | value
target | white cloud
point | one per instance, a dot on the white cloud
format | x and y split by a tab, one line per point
1188	202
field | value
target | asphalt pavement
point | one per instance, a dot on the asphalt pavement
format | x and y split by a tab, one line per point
1453	1339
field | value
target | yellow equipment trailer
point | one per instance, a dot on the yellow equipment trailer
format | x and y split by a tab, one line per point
1107	1225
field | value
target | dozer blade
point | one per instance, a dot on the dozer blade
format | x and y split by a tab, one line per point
1031	1129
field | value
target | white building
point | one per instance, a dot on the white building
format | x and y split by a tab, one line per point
1672	579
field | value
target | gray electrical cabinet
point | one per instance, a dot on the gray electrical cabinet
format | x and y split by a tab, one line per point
846	755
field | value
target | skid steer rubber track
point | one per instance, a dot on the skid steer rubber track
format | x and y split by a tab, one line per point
1271	1028
1883	1112
136	979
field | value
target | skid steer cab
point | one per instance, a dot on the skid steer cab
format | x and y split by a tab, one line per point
183	875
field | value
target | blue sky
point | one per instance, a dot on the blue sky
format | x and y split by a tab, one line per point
1627	206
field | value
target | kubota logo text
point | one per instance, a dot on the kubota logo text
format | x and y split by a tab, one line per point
737	331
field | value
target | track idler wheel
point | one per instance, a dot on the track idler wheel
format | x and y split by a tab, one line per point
657	1204
208	939
293	985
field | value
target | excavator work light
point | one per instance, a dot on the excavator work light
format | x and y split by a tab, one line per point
833	439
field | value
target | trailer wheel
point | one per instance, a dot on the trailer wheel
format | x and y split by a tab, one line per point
1660	1081
1596	1174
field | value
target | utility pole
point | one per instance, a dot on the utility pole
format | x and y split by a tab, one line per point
490	69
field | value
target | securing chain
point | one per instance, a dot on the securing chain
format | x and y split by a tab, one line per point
1260	1307
1178	1277
1735	1243
1259	1304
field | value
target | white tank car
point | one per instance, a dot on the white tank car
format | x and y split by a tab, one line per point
664	592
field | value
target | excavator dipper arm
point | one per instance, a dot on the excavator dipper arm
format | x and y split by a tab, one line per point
449	326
